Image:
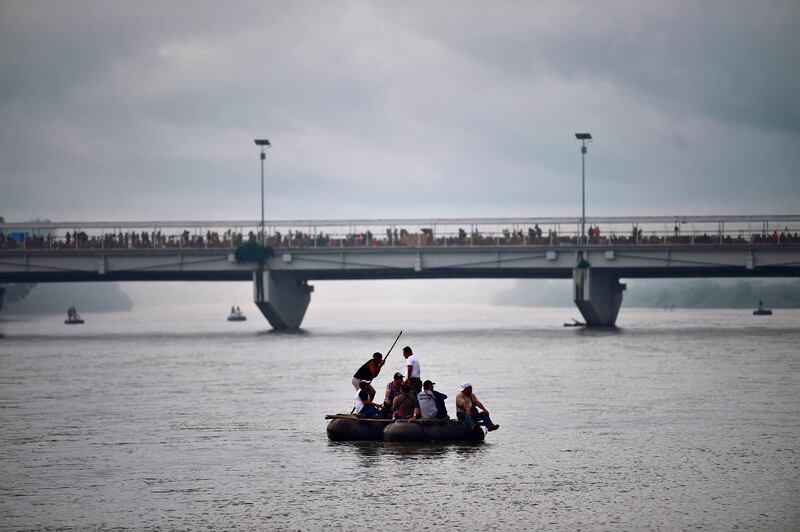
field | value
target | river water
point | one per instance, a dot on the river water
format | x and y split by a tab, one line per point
173	418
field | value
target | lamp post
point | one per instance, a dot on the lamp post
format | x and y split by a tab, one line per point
264	144
584	138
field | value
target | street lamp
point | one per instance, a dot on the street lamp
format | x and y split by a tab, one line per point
264	144
585	138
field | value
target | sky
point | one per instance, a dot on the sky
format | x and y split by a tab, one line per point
135	110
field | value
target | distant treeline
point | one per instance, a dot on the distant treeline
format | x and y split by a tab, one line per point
666	293
705	293
55	298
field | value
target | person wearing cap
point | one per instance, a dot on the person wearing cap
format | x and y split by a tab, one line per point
467	409
368	371
393	389
413	377
363	402
426	402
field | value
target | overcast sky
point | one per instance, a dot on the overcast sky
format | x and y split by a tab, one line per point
148	109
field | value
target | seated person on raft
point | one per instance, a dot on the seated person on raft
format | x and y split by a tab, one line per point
404	404
363	402
441	409
368	371
426	403
393	389
467	409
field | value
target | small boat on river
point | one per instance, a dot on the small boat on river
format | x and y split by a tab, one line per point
73	318
761	311
350	427
236	315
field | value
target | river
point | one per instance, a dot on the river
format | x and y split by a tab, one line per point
173	418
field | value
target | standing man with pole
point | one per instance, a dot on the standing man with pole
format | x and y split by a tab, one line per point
264	144
368	371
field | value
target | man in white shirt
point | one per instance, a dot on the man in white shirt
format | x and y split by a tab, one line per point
427	402
413	379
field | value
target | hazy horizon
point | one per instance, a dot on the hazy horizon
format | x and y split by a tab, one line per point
546	293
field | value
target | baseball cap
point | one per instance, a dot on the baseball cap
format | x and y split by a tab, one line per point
465	385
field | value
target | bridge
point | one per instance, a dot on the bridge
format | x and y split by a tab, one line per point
318	250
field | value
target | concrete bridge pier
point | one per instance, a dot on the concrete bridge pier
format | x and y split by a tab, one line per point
598	295
282	297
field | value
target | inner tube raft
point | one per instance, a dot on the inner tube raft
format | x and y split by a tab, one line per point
350	427
431	430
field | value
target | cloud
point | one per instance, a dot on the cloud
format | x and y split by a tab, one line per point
395	109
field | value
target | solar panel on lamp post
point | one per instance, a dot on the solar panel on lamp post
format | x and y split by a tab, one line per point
264	144
584	138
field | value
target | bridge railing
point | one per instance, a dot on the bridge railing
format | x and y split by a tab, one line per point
500	232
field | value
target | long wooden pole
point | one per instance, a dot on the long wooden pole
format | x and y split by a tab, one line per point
390	349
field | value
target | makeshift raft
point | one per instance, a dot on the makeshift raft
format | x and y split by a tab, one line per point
431	430
348	427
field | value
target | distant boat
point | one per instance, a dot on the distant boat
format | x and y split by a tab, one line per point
236	315
761	311
73	318
575	323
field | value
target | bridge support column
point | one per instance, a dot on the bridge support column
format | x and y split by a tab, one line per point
598	296
282	297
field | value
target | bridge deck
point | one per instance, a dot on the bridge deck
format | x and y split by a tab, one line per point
410	233
674	246
674	260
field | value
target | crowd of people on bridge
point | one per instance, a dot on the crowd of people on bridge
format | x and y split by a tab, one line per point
121	240
393	237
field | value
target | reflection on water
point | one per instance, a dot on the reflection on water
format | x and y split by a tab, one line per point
371	450
183	421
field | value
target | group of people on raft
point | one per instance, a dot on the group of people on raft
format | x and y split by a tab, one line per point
407	397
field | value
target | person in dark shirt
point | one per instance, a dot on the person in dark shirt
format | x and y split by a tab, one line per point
441	409
368	371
